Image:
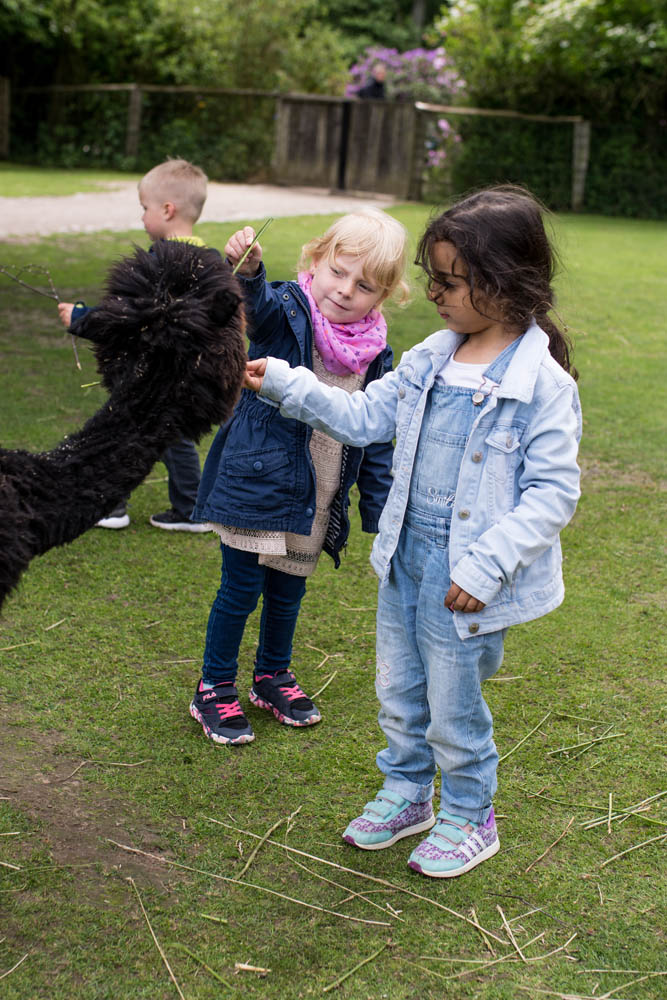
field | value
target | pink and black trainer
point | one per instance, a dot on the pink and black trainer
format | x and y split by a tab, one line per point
220	714
279	693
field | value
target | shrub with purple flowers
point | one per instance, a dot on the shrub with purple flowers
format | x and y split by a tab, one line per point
416	75
419	75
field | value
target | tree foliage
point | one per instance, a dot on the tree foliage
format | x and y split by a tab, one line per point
232	43
601	58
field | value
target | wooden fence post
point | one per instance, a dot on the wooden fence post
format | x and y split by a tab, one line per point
4	117
133	123
581	147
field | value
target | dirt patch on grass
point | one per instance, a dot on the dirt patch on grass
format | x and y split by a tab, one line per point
603	475
75	818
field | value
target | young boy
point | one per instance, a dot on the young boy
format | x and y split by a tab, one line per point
172	196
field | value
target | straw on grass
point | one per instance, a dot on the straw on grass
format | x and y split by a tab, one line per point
586	743
217	920
526	737
326	683
636	847
359	965
14	967
256	849
244	967
55	625
157	943
484	937
247	885
364	875
201	961
510	934
544	853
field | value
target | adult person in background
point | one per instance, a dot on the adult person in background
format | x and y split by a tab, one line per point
375	88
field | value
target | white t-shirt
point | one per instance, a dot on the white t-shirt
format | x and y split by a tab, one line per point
462	373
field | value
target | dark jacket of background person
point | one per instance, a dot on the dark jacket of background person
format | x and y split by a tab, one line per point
258	473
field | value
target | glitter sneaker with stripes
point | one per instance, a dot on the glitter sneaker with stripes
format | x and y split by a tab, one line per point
455	845
220	714
388	818
279	693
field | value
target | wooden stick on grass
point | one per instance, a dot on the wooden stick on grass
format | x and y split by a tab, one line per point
157	943
201	961
636	847
527	736
247	885
365	961
544	854
365	875
14	967
255	850
510	934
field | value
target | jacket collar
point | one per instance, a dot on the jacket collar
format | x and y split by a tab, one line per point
518	382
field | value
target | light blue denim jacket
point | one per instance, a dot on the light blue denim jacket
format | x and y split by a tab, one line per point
519	479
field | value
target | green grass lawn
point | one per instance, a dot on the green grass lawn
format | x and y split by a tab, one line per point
28	182
101	647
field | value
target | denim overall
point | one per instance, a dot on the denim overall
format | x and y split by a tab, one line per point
428	680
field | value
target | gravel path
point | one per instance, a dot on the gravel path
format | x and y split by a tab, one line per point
117	208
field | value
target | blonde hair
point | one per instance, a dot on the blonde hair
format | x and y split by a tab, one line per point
180	182
373	235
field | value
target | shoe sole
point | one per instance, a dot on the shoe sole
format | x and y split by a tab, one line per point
286	721
409	831
196	714
193	529
118	522
484	855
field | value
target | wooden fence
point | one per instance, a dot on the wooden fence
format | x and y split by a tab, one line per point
334	142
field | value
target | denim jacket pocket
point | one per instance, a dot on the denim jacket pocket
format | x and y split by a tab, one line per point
504	458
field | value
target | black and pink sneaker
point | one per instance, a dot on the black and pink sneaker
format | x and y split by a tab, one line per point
220	714
279	693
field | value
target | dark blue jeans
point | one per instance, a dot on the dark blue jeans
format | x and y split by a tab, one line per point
182	463
243	581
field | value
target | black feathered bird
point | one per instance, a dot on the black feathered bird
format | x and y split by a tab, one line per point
169	341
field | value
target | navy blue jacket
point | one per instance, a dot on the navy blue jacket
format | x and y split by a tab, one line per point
259	473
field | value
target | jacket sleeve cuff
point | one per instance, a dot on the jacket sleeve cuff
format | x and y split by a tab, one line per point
275	379
468	578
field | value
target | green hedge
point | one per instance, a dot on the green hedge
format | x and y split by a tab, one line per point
230	137
627	173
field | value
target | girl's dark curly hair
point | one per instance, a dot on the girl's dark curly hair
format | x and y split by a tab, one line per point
501	240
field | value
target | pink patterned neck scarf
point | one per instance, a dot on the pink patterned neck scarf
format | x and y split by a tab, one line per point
345	347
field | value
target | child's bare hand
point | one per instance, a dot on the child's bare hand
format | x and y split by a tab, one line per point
65	312
237	246
254	374
461	600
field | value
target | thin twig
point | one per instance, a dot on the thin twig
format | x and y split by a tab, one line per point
484	937
14	967
55	625
244	967
365	961
326	684
157	943
18	645
201	961
636	847
544	854
609	815
257	236
6	864
510	934
217	920
586	743
256	849
351	894
247	885
365	875
527	736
